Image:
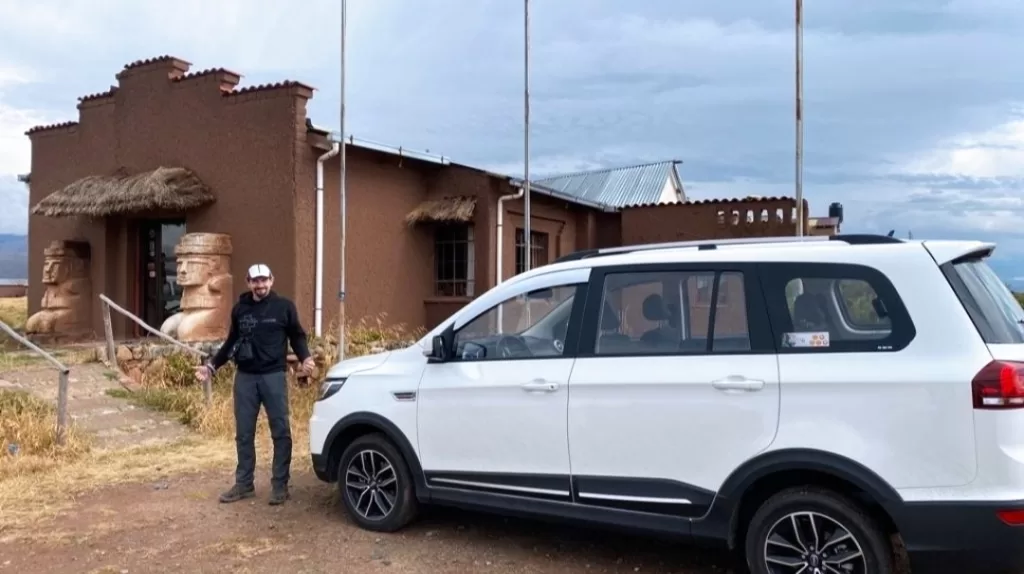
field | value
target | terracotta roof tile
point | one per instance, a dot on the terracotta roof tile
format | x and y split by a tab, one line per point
206	72
108	93
137	63
722	201
49	127
273	86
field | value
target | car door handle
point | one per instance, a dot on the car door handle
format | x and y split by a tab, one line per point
540	386
737	383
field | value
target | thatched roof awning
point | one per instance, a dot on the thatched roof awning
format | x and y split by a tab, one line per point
173	189
458	209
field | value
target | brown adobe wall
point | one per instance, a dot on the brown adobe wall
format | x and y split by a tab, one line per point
239	142
7	291
710	219
390	264
559	219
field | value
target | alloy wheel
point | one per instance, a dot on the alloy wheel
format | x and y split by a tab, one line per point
371	485
812	543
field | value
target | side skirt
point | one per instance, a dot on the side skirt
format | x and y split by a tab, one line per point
558	511
654	506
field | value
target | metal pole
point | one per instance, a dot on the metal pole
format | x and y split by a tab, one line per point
527	237
342	176
799	118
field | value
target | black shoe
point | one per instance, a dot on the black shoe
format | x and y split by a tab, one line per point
238	492
278	495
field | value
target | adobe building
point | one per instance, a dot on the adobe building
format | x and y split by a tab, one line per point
166	152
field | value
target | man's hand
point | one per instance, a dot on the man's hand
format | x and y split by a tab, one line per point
202	373
309	365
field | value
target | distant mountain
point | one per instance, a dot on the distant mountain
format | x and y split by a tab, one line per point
13	256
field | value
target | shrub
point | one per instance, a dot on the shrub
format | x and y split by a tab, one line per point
28	427
171	386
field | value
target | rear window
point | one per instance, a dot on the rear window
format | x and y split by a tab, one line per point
989	302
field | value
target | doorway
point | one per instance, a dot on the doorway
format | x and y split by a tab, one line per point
159	295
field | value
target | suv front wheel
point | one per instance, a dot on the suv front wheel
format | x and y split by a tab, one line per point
815	531
375	485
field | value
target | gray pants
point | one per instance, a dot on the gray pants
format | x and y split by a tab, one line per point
270	390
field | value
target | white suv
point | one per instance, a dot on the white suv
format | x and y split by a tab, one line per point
800	401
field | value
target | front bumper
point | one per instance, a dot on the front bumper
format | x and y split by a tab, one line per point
320	467
961	537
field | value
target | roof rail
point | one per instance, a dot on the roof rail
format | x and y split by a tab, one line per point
708	244
865	239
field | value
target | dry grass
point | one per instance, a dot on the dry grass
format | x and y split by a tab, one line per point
31	498
28	435
35	488
14	311
173	389
458	209
167	188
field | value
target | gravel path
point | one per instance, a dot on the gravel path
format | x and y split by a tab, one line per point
114	422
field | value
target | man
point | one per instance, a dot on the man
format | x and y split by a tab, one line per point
262	323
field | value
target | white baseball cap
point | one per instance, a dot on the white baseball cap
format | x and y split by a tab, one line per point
259	270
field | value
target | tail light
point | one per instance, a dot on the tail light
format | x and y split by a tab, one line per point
1012	517
999	385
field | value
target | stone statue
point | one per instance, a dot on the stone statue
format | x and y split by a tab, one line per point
204	274
67	302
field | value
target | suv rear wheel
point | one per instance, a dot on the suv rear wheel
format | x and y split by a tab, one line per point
815	531
375	485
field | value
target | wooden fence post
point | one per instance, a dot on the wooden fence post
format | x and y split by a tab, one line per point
62	407
108	329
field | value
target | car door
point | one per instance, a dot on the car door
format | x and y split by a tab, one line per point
493	418
675	385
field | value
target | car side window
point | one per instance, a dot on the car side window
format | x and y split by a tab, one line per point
530	325
672	312
833	307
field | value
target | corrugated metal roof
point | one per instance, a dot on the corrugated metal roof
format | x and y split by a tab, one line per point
615	187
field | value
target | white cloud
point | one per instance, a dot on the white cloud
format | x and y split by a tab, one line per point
997	152
15	152
908	89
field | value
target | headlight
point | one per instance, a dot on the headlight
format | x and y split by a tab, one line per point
330	386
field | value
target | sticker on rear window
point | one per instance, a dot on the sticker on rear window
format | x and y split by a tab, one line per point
805	339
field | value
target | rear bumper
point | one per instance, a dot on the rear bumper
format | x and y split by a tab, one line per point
961	537
320	467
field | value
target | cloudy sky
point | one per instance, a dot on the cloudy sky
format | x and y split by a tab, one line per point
914	108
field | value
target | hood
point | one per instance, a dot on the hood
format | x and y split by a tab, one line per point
357	364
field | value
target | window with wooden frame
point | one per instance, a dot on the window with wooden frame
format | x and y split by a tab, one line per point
538	249
454	260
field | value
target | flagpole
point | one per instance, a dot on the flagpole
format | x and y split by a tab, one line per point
527	237
799	118
342	177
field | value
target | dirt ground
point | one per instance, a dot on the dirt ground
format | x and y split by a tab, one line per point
177	525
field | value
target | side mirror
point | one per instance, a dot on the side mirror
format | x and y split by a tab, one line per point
437	350
441	346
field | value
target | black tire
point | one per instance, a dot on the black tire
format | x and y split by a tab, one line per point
360	504
829	510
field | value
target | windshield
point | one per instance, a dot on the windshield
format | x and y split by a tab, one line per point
991	304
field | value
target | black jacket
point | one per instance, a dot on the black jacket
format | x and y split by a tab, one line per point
266	326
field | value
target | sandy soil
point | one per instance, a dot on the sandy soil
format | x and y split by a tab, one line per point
176	525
